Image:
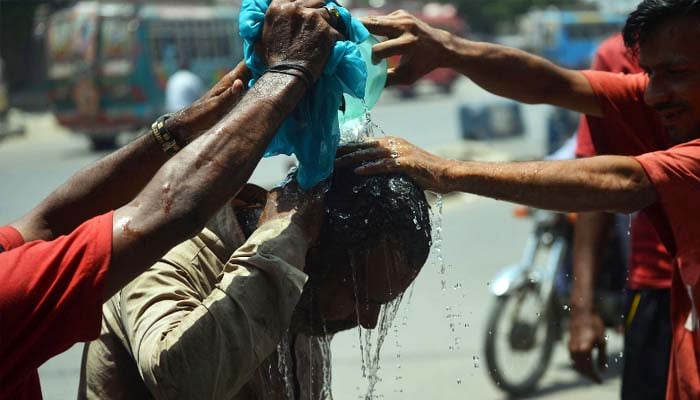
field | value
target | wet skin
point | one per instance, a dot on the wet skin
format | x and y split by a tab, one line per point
380	275
671	57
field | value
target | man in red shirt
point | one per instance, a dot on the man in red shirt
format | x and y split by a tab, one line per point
115	218
664	185
647	320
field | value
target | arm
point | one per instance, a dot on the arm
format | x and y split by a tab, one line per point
586	328
500	70
114	180
221	321
190	187
605	183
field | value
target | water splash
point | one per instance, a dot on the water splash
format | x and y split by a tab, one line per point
283	360
325	346
386	318
357	314
360	129
437	240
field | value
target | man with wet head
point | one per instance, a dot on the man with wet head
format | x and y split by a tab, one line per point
113	219
374	240
228	317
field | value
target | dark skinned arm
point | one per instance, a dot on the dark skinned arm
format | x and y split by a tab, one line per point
604	183
191	186
498	69
586	328
114	180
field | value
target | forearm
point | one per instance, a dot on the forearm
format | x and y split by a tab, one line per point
105	185
520	76
201	178
590	237
605	183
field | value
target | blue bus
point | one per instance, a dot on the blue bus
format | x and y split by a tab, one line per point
109	63
569	38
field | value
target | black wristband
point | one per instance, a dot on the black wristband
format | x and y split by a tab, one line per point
283	68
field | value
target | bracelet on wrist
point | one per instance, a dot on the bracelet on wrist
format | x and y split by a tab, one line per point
300	72
164	138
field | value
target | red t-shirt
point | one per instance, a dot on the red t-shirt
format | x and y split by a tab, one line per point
675	174
650	264
50	298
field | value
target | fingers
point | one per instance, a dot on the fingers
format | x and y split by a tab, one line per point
360	156
228	99
314	3
353	147
401	75
583	363
383	166
392	47
382	26
602	356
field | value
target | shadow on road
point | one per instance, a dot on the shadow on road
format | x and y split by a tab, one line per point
614	370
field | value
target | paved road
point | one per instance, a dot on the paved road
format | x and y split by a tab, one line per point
422	357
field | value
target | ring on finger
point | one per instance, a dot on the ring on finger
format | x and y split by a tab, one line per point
335	20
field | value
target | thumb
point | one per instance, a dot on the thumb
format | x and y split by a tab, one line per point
401	75
602	355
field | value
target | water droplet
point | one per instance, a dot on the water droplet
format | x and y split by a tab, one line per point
394	154
459	381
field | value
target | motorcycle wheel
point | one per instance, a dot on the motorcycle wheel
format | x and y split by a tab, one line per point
513	333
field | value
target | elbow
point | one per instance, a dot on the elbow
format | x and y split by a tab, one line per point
636	193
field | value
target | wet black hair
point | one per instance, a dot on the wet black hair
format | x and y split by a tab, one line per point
649	14
362	210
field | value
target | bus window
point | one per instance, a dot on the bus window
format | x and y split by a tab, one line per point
116	39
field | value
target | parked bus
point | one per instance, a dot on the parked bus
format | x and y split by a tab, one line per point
569	38
108	64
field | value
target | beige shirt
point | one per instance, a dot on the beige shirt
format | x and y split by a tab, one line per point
196	327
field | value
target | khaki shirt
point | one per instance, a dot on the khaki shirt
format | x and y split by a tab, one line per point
196	327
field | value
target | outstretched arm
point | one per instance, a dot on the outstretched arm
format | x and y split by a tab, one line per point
605	183
114	180
501	70
191	187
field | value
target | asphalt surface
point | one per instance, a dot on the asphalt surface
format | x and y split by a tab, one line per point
435	348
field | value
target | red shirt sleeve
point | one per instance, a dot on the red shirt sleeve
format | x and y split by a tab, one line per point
628	126
675	174
10	238
50	294
584	143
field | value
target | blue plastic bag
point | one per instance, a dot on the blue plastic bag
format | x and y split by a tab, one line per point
311	132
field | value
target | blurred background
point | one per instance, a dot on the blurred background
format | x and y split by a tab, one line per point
78	79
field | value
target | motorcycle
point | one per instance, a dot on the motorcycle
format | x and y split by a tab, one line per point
531	306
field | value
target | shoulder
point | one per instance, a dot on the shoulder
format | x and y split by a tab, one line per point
630	86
